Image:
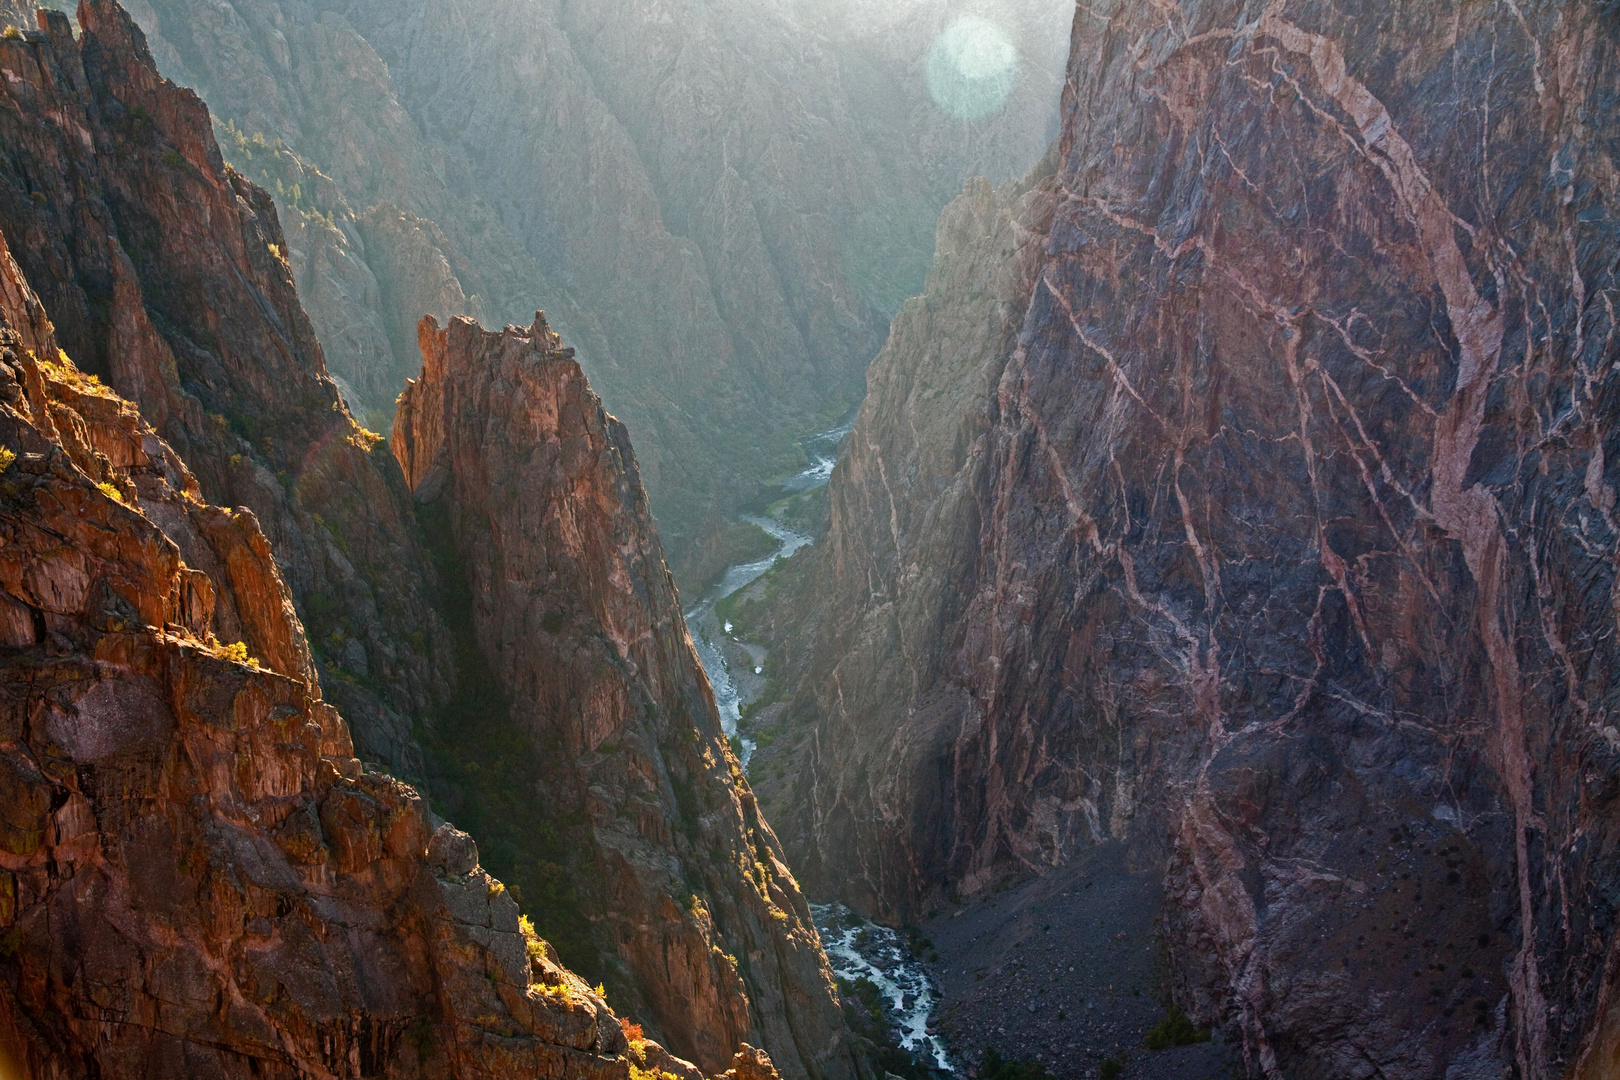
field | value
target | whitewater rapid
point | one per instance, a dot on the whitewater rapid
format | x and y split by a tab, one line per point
856	948
859	949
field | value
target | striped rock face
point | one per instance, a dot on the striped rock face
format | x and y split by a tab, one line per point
1269	529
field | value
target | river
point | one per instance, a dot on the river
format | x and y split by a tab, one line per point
822	450
857	949
860	949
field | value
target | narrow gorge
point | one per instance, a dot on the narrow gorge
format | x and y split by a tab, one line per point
1177	643
718	205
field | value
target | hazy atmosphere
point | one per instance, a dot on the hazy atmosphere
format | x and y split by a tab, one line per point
809	540
719	206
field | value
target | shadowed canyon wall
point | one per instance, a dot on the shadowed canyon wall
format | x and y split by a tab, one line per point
1244	490
172	628
719	206
570	600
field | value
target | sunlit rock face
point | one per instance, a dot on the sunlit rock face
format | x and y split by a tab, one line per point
197	876
1275	538
720	205
166	274
573	606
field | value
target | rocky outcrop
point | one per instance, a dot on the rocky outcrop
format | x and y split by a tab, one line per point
16	15
166	275
575	615
197	877
330	261
1279	539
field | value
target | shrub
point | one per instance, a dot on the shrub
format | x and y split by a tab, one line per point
1110	1068
1174	1030
634	1034
11	33
6	458
238	653
996	1067
110	491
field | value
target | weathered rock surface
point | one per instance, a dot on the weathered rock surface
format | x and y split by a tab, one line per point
171	273
1278	540
576	616
886	585
197	877
18	15
166	274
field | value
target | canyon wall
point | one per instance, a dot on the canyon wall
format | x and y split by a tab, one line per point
1253	504
719	206
197	877
576	612
168	273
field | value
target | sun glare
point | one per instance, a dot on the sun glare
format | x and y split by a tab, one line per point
971	68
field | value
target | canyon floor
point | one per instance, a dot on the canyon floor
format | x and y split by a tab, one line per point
1064	970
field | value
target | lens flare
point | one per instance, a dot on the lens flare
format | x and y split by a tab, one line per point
971	68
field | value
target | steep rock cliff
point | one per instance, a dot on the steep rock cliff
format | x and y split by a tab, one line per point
166	275
197	878
885	586
1289	554
576	616
170	272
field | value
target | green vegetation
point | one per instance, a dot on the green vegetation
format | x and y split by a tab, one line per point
486	776
62	370
805	512
378	419
7	457
1110	1068
11	33
275	168
137	124
111	492
1174	1030
995	1067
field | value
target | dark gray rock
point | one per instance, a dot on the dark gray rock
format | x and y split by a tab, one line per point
1275	539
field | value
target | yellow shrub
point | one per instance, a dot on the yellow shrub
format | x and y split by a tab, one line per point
238	653
364	439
